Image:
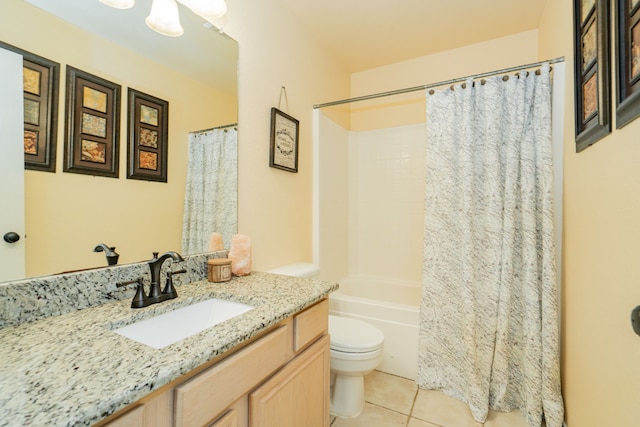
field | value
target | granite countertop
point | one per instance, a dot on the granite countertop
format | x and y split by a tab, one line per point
72	370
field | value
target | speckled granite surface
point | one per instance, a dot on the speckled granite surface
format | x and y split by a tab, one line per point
37	298
72	370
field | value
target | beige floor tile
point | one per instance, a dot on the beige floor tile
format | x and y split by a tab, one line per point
505	419
390	391
373	416
440	409
414	422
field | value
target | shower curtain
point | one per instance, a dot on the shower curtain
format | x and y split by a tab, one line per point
489	325
211	197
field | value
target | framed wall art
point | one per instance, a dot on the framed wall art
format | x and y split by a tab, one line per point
148	127
284	141
92	125
40	81
627	62
592	71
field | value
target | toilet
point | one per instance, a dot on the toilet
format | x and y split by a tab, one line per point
356	350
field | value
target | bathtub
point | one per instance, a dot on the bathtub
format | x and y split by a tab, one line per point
391	306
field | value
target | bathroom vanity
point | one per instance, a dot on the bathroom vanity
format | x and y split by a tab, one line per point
279	379
266	367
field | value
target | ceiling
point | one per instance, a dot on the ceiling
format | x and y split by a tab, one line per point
189	54
366	34
362	34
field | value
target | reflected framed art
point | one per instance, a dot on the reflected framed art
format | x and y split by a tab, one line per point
40	81
92	124
148	127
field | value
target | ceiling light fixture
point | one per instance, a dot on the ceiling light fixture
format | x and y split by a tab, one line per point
208	9
164	17
119	4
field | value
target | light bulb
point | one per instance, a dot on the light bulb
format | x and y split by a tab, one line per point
208	9
119	4
164	18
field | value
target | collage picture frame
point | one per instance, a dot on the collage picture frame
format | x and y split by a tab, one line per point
92	125
148	121
592	68
40	82
627	62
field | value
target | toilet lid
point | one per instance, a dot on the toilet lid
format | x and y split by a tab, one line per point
353	335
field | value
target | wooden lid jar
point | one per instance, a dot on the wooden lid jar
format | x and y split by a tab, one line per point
219	270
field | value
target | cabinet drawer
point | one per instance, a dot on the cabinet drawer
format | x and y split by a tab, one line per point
310	324
201	399
132	418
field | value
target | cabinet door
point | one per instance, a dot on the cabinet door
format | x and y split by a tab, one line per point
204	397
230	419
298	395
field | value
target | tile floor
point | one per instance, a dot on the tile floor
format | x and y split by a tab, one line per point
393	401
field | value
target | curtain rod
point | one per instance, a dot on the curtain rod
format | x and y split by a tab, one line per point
432	85
217	127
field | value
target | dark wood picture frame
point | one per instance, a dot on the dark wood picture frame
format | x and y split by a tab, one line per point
285	132
41	82
148	131
627	61
92	125
592	69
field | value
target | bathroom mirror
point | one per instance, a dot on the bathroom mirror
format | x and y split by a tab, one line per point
68	214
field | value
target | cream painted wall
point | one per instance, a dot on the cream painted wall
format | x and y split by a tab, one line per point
601	275
399	110
275	207
67	214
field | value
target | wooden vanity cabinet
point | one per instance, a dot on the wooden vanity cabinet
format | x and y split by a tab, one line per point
279	379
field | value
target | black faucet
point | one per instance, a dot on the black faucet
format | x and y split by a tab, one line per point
155	266
141	299
109	252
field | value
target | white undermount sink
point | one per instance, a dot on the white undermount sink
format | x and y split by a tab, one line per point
168	328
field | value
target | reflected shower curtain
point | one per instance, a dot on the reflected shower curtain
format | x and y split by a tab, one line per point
211	196
489	325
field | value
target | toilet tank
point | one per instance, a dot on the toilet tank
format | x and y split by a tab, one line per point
299	269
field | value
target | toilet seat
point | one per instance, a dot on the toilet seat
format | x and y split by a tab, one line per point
353	335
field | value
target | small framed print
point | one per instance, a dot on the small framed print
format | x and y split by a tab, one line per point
627	62
591	71
40	81
148	128
92	125
284	141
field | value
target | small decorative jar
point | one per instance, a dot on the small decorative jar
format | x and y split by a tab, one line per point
219	270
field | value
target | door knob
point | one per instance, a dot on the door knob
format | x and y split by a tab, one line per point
11	237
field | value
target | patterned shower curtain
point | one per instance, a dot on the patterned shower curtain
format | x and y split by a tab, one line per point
211	196
489	326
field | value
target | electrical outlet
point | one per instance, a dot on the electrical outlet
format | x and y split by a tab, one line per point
635	320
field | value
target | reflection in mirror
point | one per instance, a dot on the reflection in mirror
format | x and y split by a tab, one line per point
68	215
